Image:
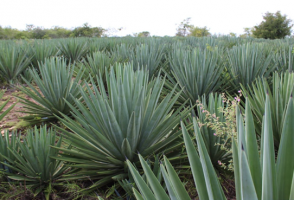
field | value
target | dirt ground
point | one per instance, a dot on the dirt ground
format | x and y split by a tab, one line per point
12	120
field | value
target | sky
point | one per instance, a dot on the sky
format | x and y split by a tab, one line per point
159	17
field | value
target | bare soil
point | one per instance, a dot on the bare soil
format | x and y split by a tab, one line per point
12	120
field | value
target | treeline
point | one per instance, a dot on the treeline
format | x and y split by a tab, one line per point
36	32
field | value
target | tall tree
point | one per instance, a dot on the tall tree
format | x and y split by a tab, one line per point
274	26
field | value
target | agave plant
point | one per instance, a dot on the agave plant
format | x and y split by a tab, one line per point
56	86
42	51
73	50
214	143
148	57
205	178
13	61
198	72
279	91
258	175
33	163
248	62
261	175
123	52
127	119
98	62
9	140
285	59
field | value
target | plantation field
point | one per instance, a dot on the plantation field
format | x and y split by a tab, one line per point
147	118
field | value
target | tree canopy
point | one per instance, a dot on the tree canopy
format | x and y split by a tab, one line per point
186	29
274	26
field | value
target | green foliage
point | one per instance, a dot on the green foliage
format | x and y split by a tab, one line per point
56	86
148	57
279	92
186	29
198	72
262	176
205	178
7	33
13	61
42	51
87	31
183	28
38	32
33	162
96	64
285	59
198	31
73	50
144	34
112	126
274	26
215	128
248	62
8	140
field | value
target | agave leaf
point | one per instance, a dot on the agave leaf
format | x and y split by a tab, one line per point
237	167
285	163
269	189
159	192
175	180
252	149
143	187
196	166
214	188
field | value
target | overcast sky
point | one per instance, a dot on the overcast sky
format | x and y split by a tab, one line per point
159	17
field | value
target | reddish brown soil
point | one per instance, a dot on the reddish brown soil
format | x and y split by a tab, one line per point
12	118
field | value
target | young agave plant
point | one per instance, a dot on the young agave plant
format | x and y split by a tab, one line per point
9	140
73	50
56	86
42	51
198	72
148	57
248	62
214	142
33	162
129	118
13	61
95	64
261	175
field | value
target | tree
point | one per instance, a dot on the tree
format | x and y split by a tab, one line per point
186	29
198	31
274	26
247	33
183	28
232	34
87	31
144	34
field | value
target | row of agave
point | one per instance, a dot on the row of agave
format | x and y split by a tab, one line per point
117	130
259	173
120	113
241	63
115	118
